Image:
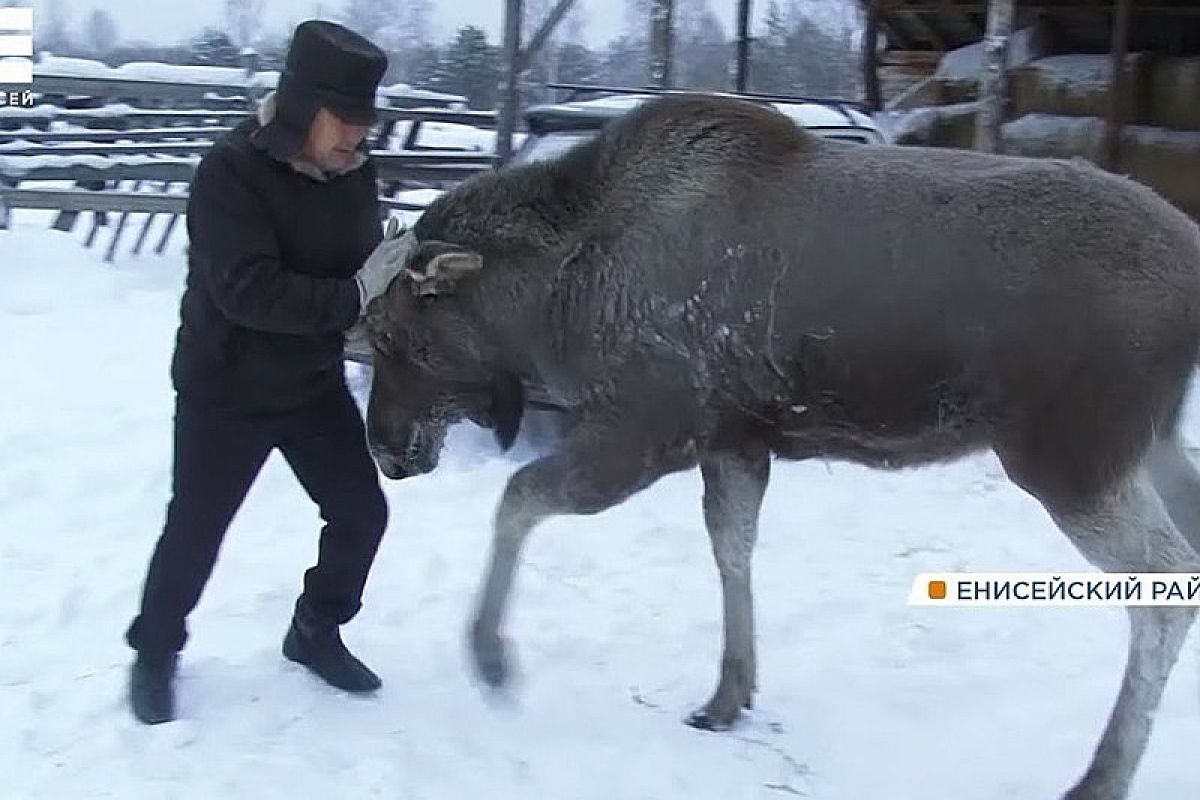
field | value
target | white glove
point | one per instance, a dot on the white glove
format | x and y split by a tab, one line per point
384	263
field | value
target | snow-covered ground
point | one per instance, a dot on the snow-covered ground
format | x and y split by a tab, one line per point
616	617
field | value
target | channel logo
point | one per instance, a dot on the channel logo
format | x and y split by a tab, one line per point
16	46
1056	589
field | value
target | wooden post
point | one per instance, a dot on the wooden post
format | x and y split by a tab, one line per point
1117	87
993	84
870	58
661	35
510	102
743	45
250	63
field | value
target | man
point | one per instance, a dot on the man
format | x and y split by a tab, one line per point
285	253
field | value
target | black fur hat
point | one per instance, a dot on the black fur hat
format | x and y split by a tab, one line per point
327	65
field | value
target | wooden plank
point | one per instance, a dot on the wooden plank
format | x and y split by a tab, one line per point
111	119
1117	87
97	86
99	220
429	172
410	138
134	134
993	89
119	232
476	119
400	205
85	200
440	167
389	160
109	149
116	86
65	220
78	200
166	234
161	171
927	32
165	187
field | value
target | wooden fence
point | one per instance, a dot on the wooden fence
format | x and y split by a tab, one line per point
129	146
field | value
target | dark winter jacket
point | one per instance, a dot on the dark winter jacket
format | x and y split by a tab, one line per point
270	289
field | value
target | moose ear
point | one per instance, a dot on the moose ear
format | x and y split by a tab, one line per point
439	265
508	406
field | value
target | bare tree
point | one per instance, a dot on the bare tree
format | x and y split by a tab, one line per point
52	31
574	25
243	21
100	32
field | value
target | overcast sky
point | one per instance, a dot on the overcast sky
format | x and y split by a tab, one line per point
164	22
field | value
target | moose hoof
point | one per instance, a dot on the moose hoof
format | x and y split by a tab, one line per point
490	660
714	717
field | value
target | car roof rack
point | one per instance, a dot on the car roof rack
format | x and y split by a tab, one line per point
838	104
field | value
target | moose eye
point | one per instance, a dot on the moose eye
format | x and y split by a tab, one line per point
387	342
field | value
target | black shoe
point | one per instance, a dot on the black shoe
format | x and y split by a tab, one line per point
318	646
151	688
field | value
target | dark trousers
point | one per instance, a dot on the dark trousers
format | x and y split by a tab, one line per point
218	455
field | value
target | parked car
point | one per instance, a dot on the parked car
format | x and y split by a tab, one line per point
555	127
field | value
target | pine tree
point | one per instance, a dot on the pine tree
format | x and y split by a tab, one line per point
577	64
473	67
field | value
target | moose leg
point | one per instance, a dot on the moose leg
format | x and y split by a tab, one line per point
734	485
1177	481
590	473
1130	530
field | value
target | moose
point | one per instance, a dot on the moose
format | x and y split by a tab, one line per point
706	284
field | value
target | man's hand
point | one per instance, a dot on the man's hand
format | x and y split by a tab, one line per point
384	263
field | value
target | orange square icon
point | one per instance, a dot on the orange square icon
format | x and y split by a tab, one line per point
937	590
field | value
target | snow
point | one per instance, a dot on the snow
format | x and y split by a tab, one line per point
405	90
447	134
49	64
919	125
818	116
189	73
966	63
1080	69
420	196
1080	134
616	617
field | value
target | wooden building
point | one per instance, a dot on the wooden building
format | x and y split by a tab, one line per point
1114	81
